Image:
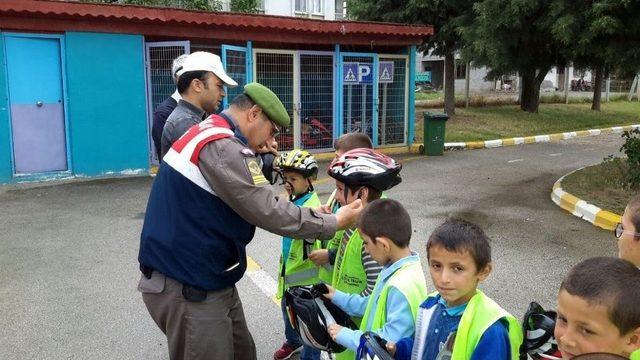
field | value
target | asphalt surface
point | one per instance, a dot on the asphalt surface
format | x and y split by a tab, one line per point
68	251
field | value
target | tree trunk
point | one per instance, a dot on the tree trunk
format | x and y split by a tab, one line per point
597	89
449	84
530	100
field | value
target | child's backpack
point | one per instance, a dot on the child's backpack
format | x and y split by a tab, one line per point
537	327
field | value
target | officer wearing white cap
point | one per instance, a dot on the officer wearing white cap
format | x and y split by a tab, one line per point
205	203
200	84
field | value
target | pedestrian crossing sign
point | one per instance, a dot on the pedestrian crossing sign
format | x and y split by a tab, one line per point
385	72
350	73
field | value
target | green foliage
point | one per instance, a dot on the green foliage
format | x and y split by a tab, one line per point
631	148
513	36
244	6
202	5
446	16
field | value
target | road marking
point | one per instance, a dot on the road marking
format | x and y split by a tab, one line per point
514	161
556	154
262	280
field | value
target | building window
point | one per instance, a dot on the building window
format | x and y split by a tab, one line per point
316	7
301	6
461	70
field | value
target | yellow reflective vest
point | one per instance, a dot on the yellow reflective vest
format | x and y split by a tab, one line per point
409	280
481	312
298	269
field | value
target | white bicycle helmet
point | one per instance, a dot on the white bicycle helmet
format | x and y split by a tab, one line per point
366	167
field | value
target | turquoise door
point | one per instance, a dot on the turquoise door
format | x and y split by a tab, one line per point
37	107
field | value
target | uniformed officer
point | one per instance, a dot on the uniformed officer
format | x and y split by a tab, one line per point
206	200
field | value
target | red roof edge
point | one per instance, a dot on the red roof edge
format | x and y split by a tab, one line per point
56	15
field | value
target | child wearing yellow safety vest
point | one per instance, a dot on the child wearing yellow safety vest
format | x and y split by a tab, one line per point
325	257
459	322
298	169
360	174
390	310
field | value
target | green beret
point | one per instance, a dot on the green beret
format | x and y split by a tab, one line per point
269	102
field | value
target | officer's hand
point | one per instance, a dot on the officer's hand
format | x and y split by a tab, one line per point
348	214
319	257
334	329
391	348
323	209
271	146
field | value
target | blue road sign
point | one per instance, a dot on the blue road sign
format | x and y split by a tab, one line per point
350	73
357	73
385	72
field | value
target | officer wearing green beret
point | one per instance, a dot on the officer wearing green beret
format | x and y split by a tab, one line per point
206	201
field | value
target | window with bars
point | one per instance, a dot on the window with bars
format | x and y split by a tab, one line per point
316	101
393	105
275	71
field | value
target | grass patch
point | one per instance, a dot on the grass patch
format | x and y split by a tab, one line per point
437	95
602	185
496	122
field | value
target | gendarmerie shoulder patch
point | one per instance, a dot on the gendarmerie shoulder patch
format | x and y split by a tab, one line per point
255	171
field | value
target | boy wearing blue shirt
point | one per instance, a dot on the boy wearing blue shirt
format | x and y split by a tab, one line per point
459	321
390	310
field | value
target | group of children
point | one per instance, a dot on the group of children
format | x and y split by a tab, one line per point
373	275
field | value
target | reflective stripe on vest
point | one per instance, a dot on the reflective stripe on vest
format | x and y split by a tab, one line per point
297	270
348	273
409	280
481	312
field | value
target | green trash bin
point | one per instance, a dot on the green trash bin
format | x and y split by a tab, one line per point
434	124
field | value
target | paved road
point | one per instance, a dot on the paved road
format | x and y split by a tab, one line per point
68	252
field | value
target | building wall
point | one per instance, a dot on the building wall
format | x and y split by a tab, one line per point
107	105
278	7
476	81
5	135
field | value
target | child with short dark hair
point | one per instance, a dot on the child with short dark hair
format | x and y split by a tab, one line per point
599	309
628	232
459	321
390	310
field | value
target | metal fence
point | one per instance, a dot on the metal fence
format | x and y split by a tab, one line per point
275	70
160	85
236	68
392	107
357	100
316	101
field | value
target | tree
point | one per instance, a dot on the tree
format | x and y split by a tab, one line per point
516	36
244	6
446	16
203	5
599	35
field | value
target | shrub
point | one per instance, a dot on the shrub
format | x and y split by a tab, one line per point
631	148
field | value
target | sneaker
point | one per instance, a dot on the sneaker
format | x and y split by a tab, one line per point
286	351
